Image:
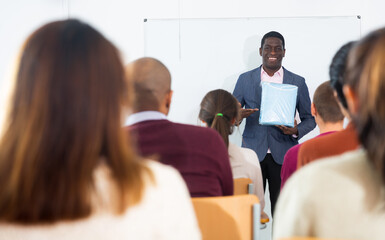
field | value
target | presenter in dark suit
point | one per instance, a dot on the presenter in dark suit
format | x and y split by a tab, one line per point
199	153
271	142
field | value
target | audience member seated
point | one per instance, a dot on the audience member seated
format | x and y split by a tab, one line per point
66	169
342	197
198	153
329	118
219	110
341	141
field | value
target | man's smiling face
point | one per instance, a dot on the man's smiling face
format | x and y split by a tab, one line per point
272	53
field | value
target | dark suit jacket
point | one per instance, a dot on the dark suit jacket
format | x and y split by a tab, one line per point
199	154
261	137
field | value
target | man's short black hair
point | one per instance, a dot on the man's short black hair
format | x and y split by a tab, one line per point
273	34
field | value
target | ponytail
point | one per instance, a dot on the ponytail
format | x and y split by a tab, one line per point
218	109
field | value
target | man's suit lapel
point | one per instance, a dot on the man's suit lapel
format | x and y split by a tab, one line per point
257	83
287	78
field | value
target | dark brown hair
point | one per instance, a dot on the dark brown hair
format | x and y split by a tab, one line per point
218	109
65	119
326	104
337	70
366	76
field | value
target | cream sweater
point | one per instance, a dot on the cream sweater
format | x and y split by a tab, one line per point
340	197
245	164
165	212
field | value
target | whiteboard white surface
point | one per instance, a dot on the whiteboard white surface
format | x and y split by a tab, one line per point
206	54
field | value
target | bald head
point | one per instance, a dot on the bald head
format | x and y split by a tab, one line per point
152	85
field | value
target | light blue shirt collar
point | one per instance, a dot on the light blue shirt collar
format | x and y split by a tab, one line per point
144	116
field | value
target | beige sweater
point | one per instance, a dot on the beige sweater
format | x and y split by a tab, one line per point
340	197
165	212
245	164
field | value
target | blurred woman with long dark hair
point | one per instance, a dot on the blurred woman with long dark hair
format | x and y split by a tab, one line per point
67	168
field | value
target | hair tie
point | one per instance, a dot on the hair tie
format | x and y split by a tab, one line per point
220	114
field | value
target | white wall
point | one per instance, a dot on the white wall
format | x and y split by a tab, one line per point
122	20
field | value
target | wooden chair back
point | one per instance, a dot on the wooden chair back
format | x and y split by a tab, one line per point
243	186
228	218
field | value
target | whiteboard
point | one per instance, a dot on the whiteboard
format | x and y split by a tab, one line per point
206	54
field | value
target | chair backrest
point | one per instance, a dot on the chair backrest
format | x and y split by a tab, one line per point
228	218
243	186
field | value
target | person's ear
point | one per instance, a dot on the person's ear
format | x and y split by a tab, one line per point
168	99
335	94
284	51
165	107
351	99
313	110
204	122
260	52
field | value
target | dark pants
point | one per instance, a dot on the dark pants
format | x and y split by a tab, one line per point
272	172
